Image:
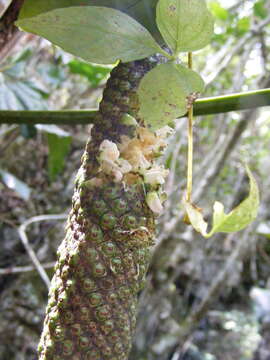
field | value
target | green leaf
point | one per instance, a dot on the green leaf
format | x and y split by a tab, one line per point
53	74
236	220
16	91
163	92
58	149
28	131
96	34
15	184
243	25
260	9
59	142
218	11
94	73
186	25
141	10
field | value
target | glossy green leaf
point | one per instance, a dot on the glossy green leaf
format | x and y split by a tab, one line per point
33	8
144	11
12	182
93	72
163	92
235	220
96	34
186	25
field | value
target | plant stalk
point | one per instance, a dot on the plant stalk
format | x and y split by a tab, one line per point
204	106
102	262
190	141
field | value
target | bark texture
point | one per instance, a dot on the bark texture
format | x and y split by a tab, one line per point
103	259
8	31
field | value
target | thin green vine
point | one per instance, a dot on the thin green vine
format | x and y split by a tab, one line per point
190	139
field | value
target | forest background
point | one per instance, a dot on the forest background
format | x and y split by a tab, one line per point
220	285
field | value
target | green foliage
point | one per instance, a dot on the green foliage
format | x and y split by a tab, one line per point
235	220
53	73
260	9
218	11
243	25
141	10
93	72
58	149
59	142
163	92
16	91
186	25
111	35
96	34
104	35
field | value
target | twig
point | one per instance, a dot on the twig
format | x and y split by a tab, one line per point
28	248
218	281
238	47
210	175
22	269
10	139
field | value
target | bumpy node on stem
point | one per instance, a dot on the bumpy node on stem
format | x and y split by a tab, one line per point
102	262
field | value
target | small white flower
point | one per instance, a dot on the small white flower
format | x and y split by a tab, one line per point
143	163
111	168
118	176
124	165
153	201
164	132
155	175
108	151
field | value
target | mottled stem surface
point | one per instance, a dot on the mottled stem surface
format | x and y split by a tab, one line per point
103	259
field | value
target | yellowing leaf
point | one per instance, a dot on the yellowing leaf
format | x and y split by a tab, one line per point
186	25
235	220
96	34
195	217
163	92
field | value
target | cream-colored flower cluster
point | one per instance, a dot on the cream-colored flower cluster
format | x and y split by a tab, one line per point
110	161
136	156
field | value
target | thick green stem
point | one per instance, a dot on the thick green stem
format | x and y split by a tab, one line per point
204	106
232	102
102	262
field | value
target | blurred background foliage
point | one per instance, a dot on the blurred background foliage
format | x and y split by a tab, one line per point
204	299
